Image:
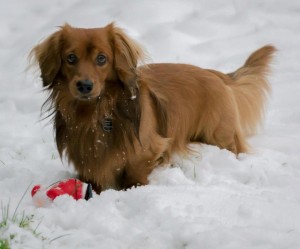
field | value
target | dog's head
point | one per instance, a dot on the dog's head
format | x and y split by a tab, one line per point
83	62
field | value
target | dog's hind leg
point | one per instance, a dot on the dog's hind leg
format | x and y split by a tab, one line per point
229	136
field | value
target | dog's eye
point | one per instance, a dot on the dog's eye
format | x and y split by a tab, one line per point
101	59
71	58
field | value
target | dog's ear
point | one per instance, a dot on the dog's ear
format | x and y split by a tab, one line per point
47	55
127	55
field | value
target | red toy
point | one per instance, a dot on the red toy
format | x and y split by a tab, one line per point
77	189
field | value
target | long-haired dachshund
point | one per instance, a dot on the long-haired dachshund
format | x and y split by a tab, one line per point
116	121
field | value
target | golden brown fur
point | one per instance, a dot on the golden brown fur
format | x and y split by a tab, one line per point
156	109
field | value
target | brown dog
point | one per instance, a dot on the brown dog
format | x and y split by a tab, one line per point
116	121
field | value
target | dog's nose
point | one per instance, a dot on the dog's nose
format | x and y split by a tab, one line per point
84	86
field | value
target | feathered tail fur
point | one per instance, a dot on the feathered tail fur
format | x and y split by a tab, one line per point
250	87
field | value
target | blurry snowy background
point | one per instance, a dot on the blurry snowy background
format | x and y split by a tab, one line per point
208	200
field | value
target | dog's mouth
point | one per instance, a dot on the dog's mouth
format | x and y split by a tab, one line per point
87	97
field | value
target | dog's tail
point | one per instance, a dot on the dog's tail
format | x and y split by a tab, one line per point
250	88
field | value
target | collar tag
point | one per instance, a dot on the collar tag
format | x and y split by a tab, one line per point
107	124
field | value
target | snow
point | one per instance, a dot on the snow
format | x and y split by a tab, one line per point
209	199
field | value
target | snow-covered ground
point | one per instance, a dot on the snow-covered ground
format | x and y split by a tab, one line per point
209	199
